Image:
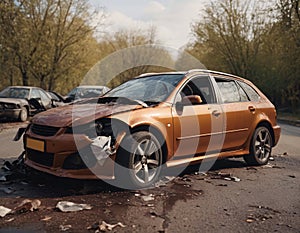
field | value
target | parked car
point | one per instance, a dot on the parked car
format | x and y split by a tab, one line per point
166	118
19	102
81	92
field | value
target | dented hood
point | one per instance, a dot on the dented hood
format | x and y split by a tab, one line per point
79	114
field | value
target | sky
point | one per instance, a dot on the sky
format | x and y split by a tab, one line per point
171	18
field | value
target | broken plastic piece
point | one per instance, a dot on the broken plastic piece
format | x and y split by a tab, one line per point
4	211
101	148
148	197
65	227
67	206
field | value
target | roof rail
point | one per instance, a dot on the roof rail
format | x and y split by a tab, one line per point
212	71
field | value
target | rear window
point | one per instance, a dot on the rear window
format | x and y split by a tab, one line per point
252	94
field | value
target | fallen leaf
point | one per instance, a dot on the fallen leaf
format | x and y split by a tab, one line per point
10	220
46	218
106	226
28	205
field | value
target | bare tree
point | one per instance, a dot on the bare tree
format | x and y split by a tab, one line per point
46	37
231	32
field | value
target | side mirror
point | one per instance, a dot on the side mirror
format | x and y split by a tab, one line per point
192	100
188	100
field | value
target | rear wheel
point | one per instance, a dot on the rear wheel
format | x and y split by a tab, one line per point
261	147
139	161
23	114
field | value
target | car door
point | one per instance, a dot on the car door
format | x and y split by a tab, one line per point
239	112
197	127
45	99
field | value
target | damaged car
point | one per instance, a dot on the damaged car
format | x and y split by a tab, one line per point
168	119
20	102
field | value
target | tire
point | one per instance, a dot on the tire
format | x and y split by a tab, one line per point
139	161
260	147
23	114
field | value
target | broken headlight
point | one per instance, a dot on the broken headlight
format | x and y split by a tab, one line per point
93	129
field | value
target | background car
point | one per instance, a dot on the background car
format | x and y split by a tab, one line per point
19	102
170	119
81	92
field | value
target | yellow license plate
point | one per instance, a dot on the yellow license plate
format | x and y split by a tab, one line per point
35	144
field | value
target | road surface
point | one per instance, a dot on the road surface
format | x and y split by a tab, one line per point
266	199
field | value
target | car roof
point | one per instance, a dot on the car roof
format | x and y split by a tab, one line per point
90	86
29	87
203	71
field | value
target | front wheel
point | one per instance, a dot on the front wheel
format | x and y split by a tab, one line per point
23	114
139	161
260	148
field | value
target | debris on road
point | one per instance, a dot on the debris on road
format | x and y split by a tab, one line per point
67	206
223	176
10	220
233	178
4	211
269	165
46	218
13	169
65	227
292	176
104	226
149	197
28	205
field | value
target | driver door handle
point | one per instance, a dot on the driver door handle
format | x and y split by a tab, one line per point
216	113
251	109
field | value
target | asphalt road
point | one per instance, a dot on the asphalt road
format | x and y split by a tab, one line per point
266	199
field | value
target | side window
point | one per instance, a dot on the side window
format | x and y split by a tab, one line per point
243	95
199	86
229	90
44	97
35	94
252	94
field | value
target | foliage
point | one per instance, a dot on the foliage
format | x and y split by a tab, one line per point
129	54
47	41
255	40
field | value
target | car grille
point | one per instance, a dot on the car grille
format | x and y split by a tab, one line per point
44	130
42	158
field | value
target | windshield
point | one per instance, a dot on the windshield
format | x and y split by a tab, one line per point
12	92
154	88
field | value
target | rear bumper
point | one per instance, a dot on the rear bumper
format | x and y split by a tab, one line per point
277	131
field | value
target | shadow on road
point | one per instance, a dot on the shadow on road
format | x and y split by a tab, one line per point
34	184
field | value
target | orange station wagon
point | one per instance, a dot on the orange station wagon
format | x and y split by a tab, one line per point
156	119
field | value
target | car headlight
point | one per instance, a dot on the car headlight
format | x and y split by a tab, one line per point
92	129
